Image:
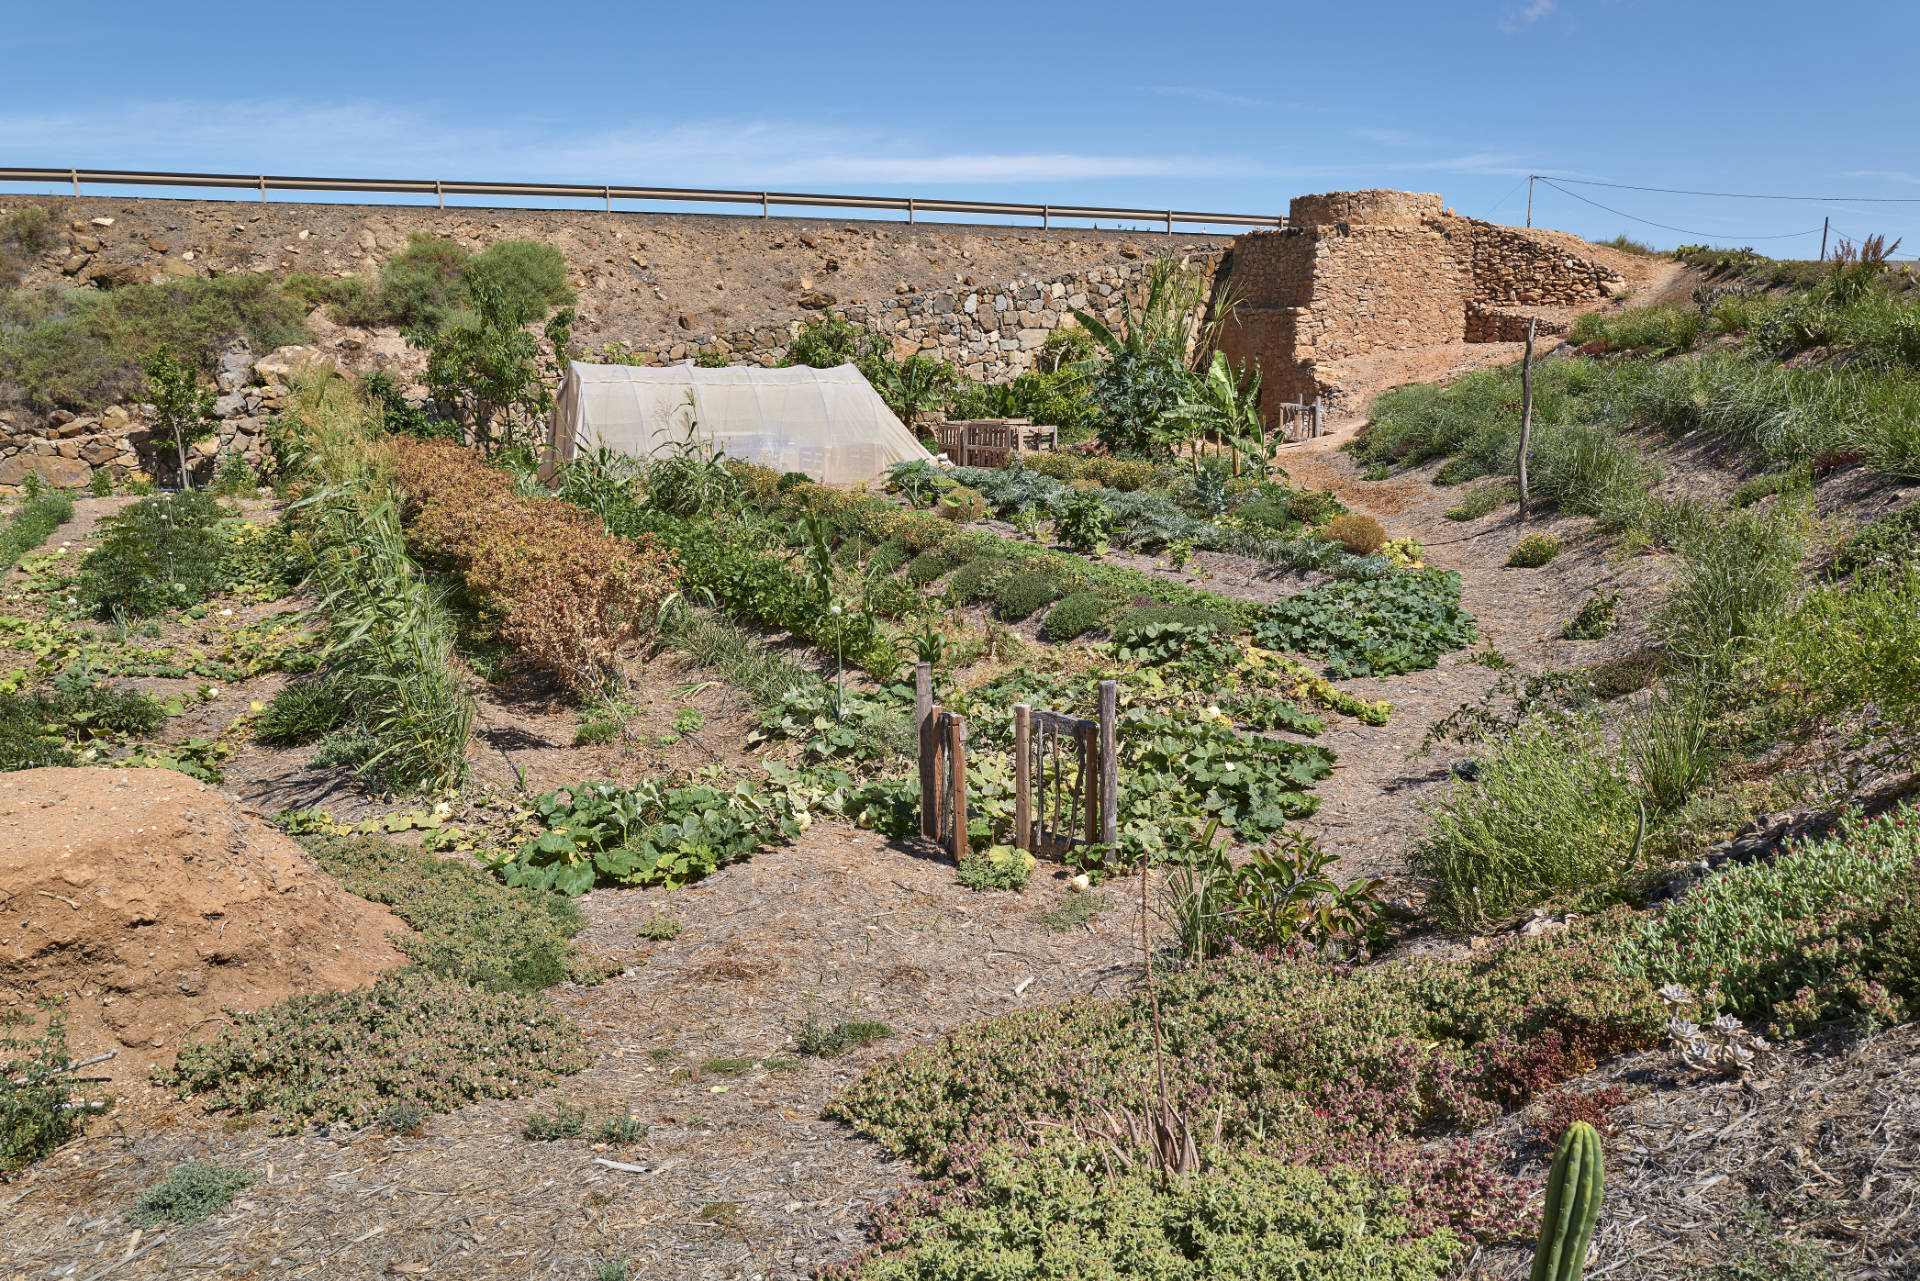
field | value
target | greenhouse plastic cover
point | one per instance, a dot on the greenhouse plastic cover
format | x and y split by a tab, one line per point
827	423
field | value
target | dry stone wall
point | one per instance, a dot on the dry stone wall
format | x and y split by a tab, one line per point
657	288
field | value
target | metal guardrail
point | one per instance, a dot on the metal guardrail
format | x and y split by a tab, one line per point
440	189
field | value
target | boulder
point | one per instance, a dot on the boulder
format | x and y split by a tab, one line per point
115	419
236	367
231	405
118	275
60	473
278	367
817	300
100	451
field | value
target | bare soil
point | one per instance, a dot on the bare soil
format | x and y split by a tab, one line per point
145	902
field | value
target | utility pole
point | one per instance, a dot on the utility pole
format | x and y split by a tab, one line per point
1824	223
1529	200
1526	414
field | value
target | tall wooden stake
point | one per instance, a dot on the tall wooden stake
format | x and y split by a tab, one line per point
1022	776
958	781
1526	414
1824	224
1109	763
923	717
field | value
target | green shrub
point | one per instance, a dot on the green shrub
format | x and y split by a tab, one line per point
828	1040
1849	648
1315	506
234	477
937	563
1245	1215
1001	867
82	349
467	926
35	1089
1553	811
567	1122
1074	615
1021	595
425	284
1083	522
530	276
659	929
1593	619
1819	932
159	555
1275	514
1533	551
1295	1060
192	1191
961	505
979	580
303	712
1382	627
344	1056
32	522
1892	541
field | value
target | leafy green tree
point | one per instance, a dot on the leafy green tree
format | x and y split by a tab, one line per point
182	407
488	366
530	274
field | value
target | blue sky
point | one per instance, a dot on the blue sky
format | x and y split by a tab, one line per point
1226	107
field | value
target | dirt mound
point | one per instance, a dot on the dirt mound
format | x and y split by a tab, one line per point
148	901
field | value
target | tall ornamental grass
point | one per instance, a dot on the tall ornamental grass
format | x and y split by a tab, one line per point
390	643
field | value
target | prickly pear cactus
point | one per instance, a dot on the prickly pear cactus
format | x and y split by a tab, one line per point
1573	1205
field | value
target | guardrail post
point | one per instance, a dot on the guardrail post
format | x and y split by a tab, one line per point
439	193
263	189
909	208
923	718
76	182
1022	776
608	193
1109	763
1046	217
1169	222
766	206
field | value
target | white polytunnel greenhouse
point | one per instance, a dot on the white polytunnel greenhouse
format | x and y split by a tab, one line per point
827	423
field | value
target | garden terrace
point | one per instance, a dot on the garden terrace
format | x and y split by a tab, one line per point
767	1029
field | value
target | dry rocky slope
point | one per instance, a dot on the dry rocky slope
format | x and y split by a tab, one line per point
1355	276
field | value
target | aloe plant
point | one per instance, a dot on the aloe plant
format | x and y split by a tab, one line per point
1573	1205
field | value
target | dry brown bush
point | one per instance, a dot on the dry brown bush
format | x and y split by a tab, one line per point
1360	535
566	595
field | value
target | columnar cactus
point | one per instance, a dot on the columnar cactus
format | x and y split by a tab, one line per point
1573	1205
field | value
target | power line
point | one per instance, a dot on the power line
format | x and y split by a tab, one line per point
1685	231
1747	195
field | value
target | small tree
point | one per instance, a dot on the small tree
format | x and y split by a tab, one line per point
181	405
488	367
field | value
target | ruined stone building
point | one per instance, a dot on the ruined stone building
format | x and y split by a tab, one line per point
1359	272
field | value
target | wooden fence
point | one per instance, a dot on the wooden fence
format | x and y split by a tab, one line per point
1065	773
1303	419
993	442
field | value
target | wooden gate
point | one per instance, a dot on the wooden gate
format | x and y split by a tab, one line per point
1065	763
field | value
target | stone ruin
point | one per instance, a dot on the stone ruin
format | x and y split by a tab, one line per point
1359	272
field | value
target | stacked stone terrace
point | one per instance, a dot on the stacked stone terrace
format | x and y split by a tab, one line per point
1359	272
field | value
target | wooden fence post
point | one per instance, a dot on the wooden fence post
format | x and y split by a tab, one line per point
958	780
923	719
1022	776
1109	763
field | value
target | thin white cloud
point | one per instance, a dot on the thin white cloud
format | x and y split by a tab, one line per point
1885	175
1527	14
367	140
